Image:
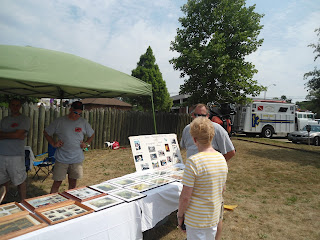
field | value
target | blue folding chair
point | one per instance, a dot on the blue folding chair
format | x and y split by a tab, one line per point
46	165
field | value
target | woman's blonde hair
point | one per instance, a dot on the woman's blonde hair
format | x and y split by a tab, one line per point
202	130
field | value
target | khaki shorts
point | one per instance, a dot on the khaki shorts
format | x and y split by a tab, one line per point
12	168
74	171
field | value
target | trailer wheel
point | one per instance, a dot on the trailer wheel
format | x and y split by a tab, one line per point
267	132
316	141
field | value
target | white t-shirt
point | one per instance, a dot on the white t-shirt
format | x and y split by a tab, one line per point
13	147
71	133
220	142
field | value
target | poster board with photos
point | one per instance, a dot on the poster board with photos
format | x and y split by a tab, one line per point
82	194
152	152
63	211
10	208
100	203
44	201
15	225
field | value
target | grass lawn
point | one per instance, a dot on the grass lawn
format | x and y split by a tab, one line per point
277	190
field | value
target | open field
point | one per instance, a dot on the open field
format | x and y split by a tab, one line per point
277	190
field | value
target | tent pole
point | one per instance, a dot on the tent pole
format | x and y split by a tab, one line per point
154	116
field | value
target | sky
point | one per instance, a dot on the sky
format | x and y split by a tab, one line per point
116	33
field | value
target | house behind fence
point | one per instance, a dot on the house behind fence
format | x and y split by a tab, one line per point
108	124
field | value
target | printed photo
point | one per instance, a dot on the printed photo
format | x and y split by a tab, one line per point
169	159
163	162
141	187
103	202
155	165
123	181
152	148
104	187
145	166
173	141
138	158
153	156
127	195
167	147
161	153
137	145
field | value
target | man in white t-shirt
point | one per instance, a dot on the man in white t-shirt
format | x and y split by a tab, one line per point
221	143
69	156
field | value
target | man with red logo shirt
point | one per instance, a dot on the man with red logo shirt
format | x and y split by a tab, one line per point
13	131
70	130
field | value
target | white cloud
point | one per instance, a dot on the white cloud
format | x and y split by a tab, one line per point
117	32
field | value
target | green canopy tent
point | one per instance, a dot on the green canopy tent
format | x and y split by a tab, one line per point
42	73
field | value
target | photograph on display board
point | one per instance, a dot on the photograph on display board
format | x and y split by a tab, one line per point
155	165
137	145
123	181
82	194
63	211
104	187
100	203
160	181
142	186
163	162
36	202
16	225
143	176
127	195
144	166
138	158
10	208
176	175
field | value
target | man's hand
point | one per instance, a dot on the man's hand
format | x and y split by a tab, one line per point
58	144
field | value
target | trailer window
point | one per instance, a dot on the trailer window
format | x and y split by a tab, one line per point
299	115
283	109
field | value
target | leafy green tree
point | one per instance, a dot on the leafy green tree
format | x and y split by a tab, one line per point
5	99
148	71
215	38
313	83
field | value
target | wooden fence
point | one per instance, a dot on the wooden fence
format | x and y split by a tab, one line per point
109	124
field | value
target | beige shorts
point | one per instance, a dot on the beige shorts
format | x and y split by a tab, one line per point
12	168
74	171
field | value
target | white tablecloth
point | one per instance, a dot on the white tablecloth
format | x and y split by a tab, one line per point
122	222
119	222
159	203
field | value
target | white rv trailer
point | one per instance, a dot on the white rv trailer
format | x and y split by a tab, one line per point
265	117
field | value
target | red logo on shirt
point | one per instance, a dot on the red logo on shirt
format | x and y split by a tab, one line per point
77	129
13	125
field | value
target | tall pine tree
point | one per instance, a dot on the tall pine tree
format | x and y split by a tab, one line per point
148	71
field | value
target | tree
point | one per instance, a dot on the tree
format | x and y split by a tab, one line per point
5	99
215	38
313	84
148	71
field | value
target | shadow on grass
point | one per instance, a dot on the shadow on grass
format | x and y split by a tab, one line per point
32	190
161	230
287	155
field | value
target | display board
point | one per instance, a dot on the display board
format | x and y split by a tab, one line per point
155	151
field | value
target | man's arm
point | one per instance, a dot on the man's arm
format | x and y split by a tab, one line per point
18	134
229	155
51	141
89	140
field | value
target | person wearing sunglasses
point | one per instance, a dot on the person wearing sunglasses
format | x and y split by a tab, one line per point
70	130
221	143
